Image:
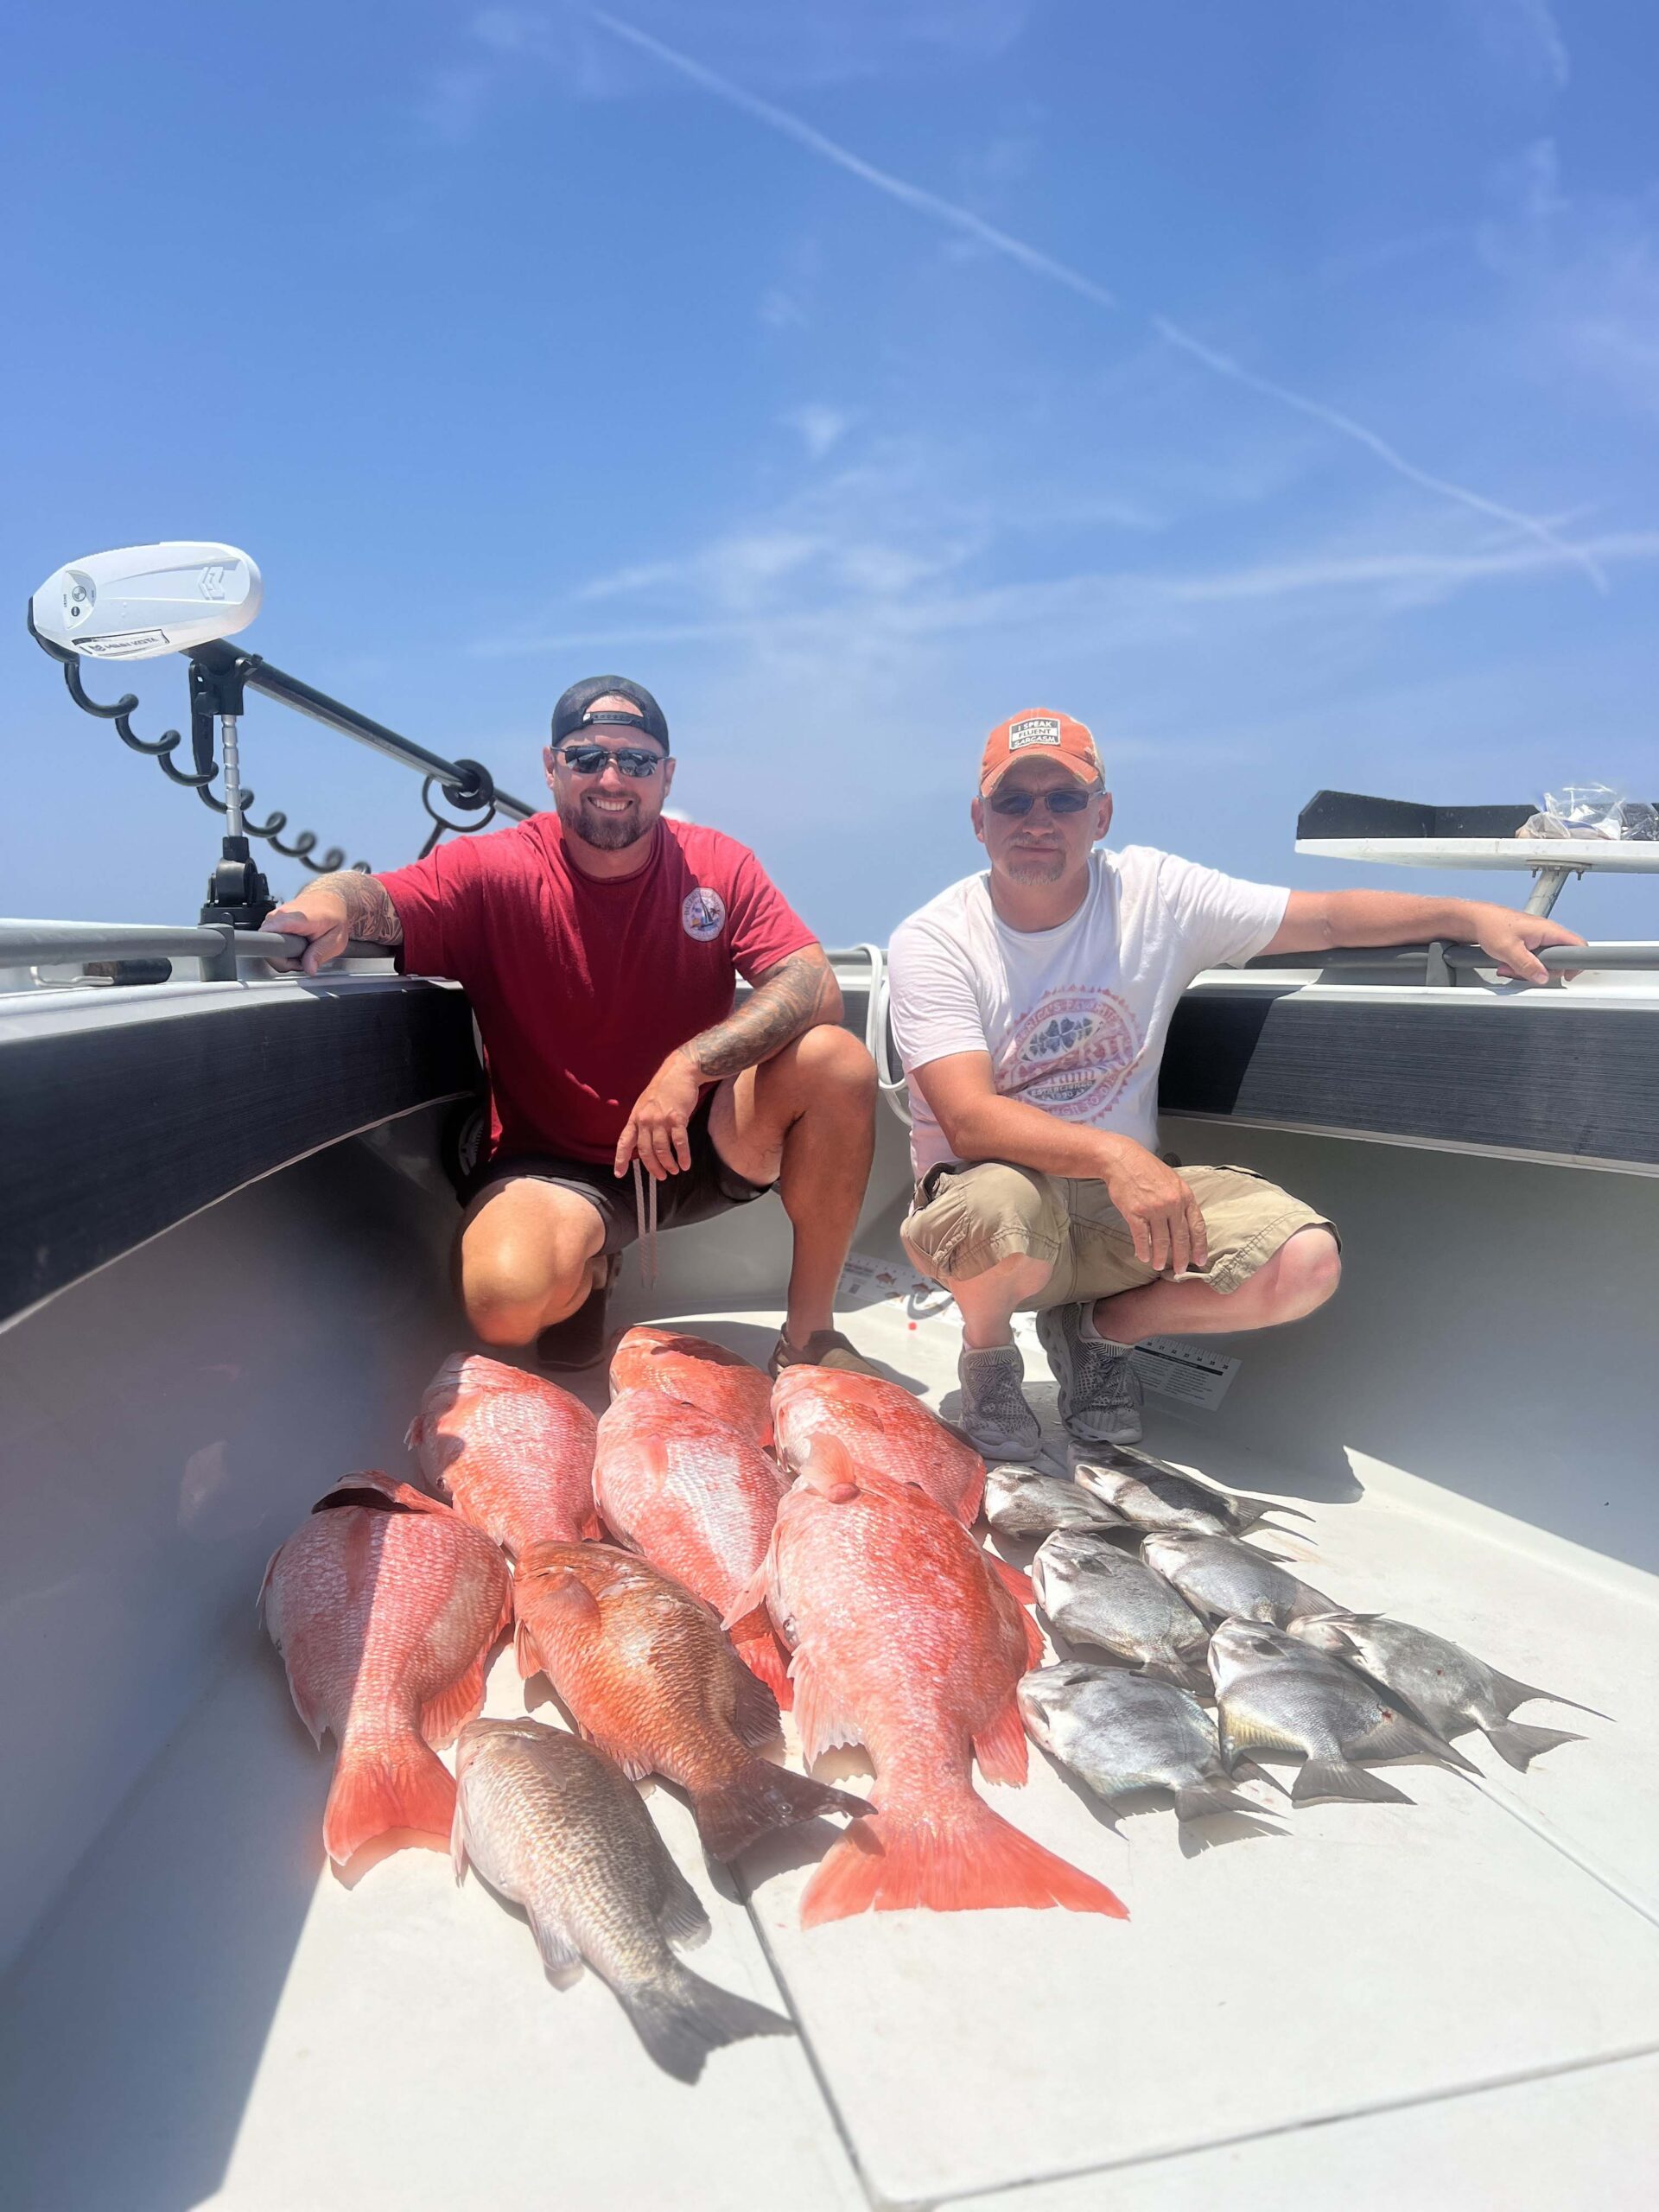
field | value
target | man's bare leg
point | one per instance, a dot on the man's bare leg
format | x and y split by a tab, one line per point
805	1119
527	1257
989	1300
1301	1274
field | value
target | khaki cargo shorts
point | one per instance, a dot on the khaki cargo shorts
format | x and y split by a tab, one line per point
963	1220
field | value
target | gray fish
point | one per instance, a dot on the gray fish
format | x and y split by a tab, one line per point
1021	1502
1094	1593
550	1822
1226	1579
1120	1732
1274	1693
1153	1495
1448	1686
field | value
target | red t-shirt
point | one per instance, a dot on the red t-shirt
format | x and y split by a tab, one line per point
582	987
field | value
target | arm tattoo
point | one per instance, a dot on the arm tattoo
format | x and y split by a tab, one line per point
369	909
787	1001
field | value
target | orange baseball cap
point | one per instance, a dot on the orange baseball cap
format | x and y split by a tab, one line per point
1039	734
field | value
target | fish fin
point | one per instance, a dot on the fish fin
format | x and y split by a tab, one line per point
562	1962
525	1651
629	1761
442	1718
1197	1800
458	1840
999	1747
819	1724
754	1712
1257	1510
759	1797
406	1787
683	1918
415	1434
1519	1744
1396	1736
1248	1770
1511	1693
1240	1731
755	1642
1195	1679
1016	1584
751	1598
680	2018
968	1859
1307	1603
1321	1778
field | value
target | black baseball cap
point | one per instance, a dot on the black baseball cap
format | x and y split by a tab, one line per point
574	709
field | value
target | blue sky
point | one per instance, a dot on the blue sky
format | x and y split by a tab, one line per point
1275	387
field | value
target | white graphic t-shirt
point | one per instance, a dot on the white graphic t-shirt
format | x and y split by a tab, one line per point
1074	1018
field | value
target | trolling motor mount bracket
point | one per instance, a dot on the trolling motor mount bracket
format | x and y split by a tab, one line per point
238	897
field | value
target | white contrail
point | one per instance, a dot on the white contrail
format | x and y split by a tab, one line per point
963	220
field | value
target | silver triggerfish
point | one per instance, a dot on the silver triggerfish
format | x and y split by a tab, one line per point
1228	1580
1451	1689
1119	1733
1096	1593
1022	1502
1274	1693
1153	1495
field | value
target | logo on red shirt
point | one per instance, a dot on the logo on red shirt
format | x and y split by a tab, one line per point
703	914
1073	1052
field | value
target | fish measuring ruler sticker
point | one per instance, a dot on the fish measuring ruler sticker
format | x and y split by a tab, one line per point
1179	1370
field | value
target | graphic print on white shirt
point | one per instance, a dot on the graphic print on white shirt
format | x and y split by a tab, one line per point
1074	1019
1073	1052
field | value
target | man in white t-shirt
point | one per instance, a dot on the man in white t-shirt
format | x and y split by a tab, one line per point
1030	1005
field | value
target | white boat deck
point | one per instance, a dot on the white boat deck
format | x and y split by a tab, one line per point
1453	2004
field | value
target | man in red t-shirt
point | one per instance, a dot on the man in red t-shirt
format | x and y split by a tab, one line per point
599	947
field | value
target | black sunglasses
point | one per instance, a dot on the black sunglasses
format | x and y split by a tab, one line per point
593	759
1065	800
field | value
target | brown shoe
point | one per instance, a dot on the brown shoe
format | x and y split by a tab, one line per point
823	1348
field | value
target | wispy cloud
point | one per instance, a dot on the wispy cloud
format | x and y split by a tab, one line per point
1525	32
965	224
818	427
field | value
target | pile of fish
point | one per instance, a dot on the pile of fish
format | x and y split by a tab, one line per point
715	1549
711	1550
1148	1566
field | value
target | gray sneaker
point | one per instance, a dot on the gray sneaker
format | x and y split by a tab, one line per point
1100	1391
995	1417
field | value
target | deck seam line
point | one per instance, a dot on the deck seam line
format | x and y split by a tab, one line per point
1518	2080
837	2118
1565	1849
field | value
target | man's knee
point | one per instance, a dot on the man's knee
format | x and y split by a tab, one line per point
514	1285
832	1058
1309	1268
987	1216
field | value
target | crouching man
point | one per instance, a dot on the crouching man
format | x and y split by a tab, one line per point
1030	1004
601	945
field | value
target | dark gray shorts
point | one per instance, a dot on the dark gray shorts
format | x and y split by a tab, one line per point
707	1188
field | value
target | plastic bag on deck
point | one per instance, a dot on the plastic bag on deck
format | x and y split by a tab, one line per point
1592	810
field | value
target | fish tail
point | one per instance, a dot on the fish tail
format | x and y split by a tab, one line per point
755	1642
1513	1694
403	1785
1213	1793
972	1860
680	2018
760	1797
1519	1744
1339	1778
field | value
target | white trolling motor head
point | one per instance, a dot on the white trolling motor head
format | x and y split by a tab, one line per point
146	600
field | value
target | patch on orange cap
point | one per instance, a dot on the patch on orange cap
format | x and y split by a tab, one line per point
1041	733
